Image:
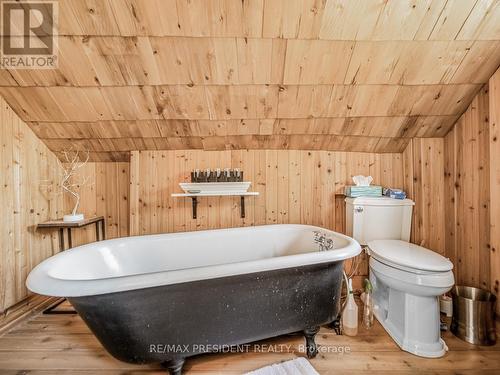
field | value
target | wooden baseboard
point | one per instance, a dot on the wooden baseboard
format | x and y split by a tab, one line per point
24	309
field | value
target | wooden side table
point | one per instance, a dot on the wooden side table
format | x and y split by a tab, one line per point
61	225
68	225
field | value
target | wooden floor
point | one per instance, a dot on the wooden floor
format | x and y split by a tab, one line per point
62	344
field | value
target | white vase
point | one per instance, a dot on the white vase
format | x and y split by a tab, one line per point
73	218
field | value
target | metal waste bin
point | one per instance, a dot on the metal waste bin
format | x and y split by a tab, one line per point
473	315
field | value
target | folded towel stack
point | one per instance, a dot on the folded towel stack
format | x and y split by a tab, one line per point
363	191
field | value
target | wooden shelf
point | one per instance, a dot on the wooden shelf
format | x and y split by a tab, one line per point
194	198
229	193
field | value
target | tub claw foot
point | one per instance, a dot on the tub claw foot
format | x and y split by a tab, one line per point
336	326
174	366
311	348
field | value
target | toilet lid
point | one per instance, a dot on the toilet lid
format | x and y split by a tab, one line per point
409	255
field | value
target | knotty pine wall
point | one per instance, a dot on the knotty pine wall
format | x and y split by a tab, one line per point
468	194
472	189
423	163
294	187
105	195
494	159
26	166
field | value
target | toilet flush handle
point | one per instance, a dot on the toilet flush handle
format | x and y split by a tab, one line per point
358	209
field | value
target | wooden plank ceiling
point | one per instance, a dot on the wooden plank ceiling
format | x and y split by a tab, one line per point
355	75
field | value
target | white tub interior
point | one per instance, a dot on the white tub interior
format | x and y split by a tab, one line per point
148	261
157	253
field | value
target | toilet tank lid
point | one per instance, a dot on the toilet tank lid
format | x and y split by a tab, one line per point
409	255
379	201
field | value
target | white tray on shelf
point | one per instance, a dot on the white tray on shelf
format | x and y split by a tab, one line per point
215	188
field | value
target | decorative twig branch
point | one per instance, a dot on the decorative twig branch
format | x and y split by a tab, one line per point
70	167
68	174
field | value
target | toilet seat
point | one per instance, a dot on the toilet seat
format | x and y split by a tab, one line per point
409	257
409	279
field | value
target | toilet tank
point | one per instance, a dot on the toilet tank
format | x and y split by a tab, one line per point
378	218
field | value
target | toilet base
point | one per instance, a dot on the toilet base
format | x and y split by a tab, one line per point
408	312
435	350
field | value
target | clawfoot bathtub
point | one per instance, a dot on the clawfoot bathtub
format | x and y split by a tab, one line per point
163	298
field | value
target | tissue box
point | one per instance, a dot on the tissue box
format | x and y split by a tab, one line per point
363	191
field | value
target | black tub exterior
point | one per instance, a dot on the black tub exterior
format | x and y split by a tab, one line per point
168	323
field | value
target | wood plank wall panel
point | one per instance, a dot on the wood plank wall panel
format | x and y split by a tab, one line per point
27	165
423	163
494	161
295	186
428	191
450	206
467	192
107	194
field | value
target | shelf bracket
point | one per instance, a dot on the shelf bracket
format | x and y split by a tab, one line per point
194	201
195	206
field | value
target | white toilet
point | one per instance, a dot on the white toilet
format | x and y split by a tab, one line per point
407	279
